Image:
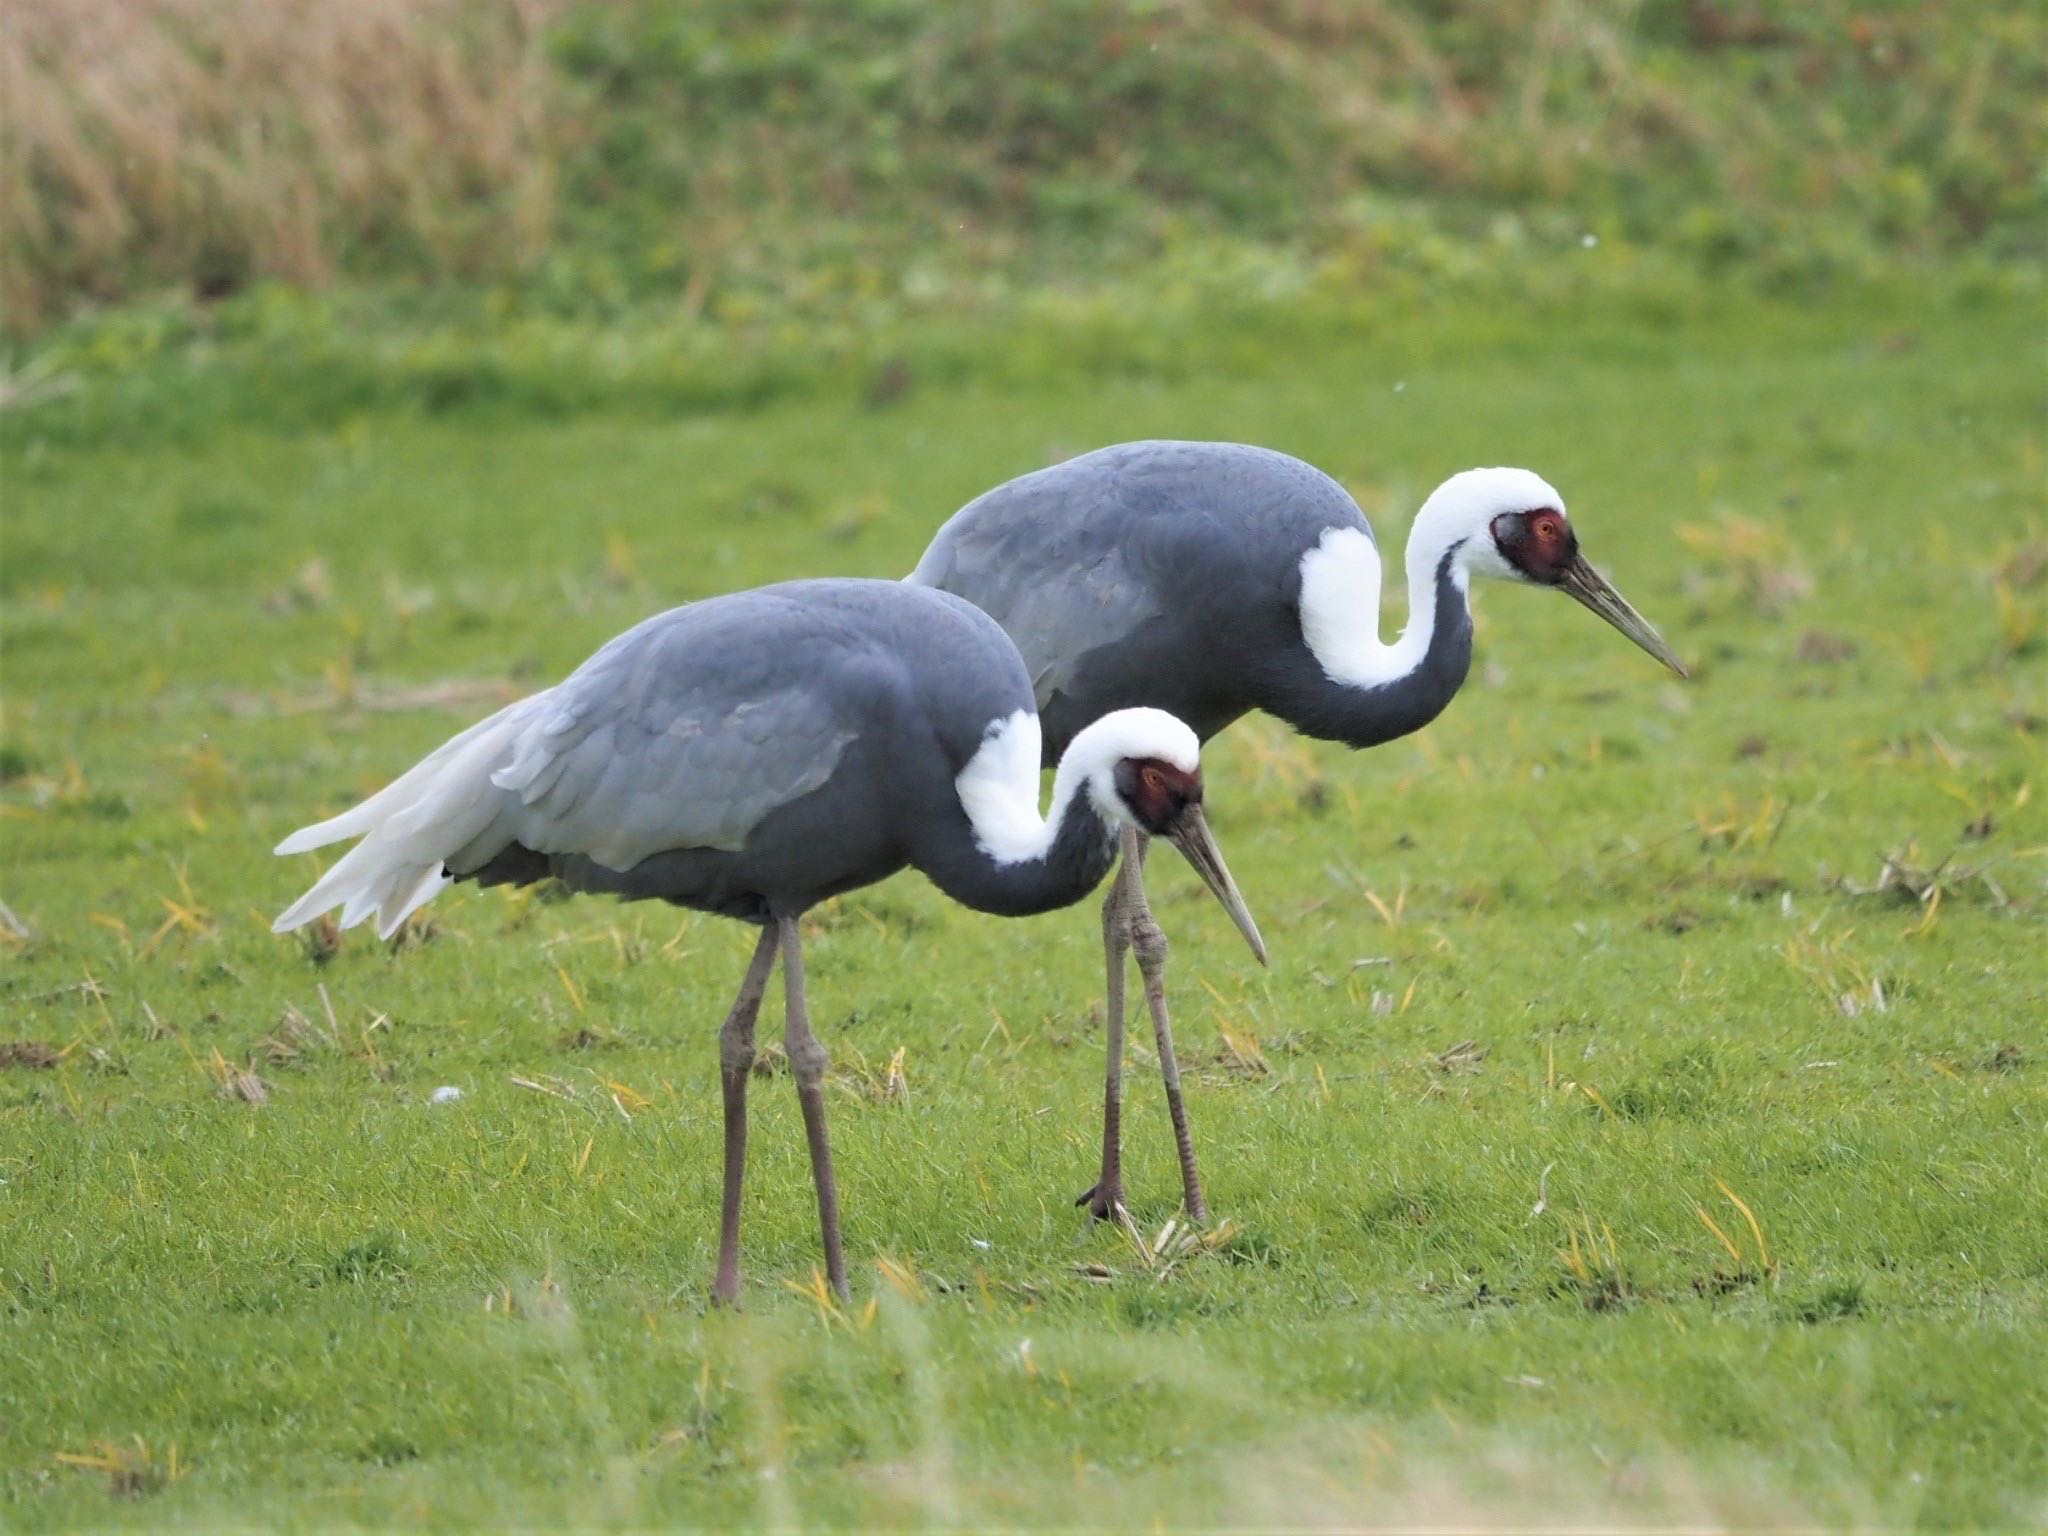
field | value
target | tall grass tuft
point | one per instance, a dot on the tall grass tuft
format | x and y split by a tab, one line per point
208	142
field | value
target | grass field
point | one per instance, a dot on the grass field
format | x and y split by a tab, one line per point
1643	1118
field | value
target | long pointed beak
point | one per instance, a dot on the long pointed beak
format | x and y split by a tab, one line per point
1191	835
1589	587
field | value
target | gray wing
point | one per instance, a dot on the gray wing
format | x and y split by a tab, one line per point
669	737
1047	557
685	732
1089	553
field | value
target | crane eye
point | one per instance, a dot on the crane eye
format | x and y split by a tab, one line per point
1153	779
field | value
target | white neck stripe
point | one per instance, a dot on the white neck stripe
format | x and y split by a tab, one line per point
1340	576
999	791
1340	607
999	786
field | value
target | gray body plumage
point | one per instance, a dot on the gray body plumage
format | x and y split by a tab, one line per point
752	755
749	755
1169	574
1212	579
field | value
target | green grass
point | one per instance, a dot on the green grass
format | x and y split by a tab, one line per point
1464	1286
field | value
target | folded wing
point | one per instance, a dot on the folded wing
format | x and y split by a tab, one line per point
661	741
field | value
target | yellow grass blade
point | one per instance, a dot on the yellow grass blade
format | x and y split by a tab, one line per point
1763	1254
568	986
902	1277
1723	1238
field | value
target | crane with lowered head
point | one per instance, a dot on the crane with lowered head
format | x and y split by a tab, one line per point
754	754
1214	579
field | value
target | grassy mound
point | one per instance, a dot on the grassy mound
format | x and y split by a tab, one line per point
582	155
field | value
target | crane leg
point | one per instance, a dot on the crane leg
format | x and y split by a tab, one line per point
807	1063
1108	1192
735	1061
1148	941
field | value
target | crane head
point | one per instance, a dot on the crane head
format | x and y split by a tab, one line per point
1537	544
1143	770
1519	532
1540	547
1155	791
1166	801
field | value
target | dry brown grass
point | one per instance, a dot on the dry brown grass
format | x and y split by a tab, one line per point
207	141
765	150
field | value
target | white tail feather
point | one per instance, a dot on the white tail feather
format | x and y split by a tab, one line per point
443	806
431	884
395	796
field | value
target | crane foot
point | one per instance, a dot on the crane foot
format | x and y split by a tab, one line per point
1105	1199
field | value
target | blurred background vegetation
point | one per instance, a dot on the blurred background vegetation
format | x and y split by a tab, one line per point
746	161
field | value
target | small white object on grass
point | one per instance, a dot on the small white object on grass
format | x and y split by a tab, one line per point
447	1093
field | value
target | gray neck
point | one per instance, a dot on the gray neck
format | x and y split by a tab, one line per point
1436	652
1079	852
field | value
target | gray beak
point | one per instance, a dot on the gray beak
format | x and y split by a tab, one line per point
1589	587
1190	834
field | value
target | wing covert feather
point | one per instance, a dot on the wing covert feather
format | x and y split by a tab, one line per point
996	556
640	756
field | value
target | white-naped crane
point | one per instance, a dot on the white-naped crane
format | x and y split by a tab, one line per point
754	754
1213	579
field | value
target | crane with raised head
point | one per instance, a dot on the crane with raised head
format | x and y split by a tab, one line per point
754	754
1214	579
